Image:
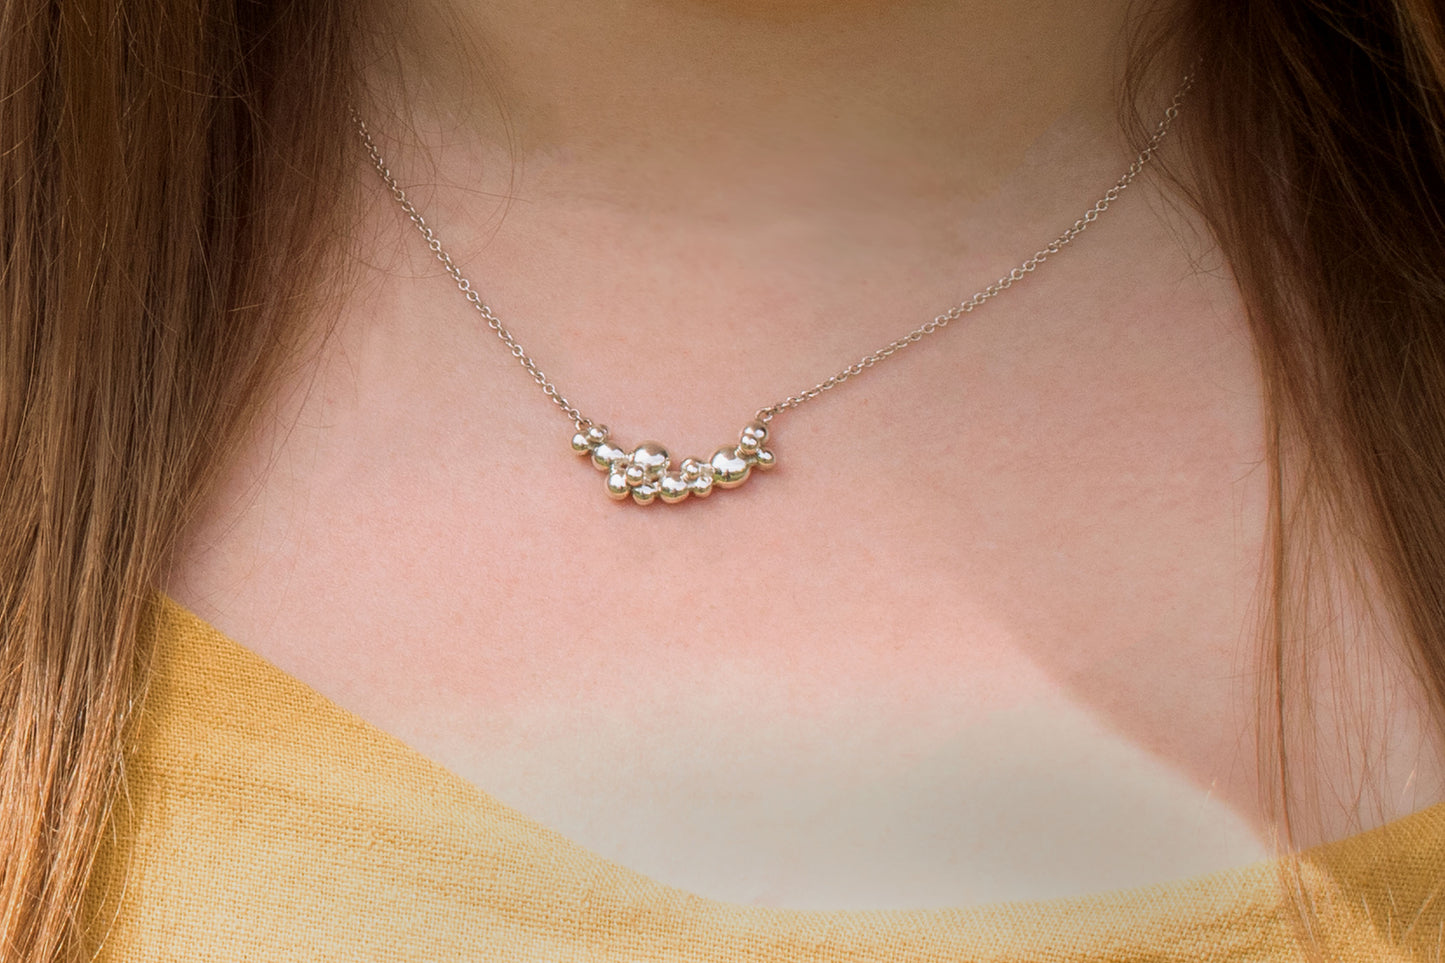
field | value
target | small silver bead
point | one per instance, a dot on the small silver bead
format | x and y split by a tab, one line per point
690	469
617	485
635	474
644	494
672	488
580	444
606	455
765	459
596	434
751	439
702	485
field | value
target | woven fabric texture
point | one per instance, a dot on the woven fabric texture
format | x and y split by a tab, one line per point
263	822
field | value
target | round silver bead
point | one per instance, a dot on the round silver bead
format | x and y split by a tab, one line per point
606	454
751	438
729	468
635	474
652	457
765	459
644	494
617	485
672	488
596	434
580	444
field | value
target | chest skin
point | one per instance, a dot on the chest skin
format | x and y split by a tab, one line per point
985	633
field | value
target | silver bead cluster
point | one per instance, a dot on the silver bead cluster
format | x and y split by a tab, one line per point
645	473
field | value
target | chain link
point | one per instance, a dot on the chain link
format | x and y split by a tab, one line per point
767	414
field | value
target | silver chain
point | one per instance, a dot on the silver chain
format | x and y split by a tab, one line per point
767	413
434	245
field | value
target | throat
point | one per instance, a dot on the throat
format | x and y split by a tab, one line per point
662	106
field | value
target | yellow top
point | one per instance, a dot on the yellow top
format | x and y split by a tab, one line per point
263	823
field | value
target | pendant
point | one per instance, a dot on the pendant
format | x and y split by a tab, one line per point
645	473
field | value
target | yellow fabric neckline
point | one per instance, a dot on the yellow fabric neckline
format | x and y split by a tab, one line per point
262	821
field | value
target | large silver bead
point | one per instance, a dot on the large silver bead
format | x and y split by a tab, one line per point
652	457
672	488
729	468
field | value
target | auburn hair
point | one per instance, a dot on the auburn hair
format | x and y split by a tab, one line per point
169	200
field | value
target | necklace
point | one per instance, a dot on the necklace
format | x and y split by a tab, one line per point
645	473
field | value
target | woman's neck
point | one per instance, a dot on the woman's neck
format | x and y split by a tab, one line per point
804	104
